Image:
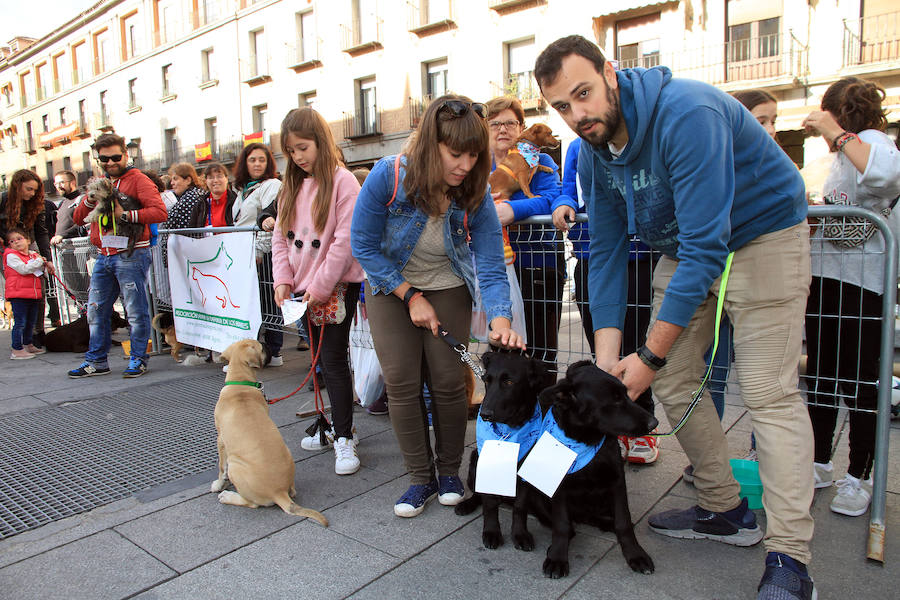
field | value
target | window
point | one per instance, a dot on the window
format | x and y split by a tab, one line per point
308	99
26	83
42	78
210	11
637	41
308	43
520	57
80	62
166	88
103	54
132	97
62	115
435	78
259	117
49	169
7	94
207	65
209	126
366	16
86	162
104	117
170	146
45	122
67	163
753	31
61	73
258	53
130	36
82	116
367	107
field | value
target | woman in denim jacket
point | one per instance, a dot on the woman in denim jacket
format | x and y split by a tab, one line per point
418	221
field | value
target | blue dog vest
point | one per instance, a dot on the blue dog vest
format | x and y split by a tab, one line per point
585	452
525	436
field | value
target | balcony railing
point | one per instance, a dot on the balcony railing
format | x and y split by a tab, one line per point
650	60
304	56
417	108
41	93
872	39
29	145
503	5
102	121
522	86
79	75
426	16
750	59
362	35
362	123
255	70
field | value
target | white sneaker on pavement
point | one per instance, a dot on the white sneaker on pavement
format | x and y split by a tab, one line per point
346	461
853	496
313	442
823	474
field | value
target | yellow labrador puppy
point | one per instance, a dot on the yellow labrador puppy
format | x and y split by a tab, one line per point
252	453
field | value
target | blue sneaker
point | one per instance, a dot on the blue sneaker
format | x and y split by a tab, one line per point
413	502
136	368
88	370
785	579
450	490
736	527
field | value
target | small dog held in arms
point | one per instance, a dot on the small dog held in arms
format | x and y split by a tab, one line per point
252	453
106	197
164	323
515	171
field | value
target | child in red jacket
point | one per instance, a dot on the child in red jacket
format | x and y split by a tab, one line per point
22	269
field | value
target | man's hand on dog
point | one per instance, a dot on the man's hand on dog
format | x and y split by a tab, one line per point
118	211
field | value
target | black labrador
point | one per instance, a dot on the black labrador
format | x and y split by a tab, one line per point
76	336
590	405
512	383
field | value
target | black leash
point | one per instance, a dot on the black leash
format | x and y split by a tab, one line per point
464	355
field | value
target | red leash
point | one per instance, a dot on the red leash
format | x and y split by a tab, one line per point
317	393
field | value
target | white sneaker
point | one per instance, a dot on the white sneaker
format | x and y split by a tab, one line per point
346	462
276	361
823	474
852	498
313	442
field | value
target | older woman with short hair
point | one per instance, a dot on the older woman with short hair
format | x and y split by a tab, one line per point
191	208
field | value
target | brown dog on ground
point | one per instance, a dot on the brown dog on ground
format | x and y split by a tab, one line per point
514	173
164	323
252	453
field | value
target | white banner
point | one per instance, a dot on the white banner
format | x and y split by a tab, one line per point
215	294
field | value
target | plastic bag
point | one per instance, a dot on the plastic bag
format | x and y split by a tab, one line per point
479	330
368	382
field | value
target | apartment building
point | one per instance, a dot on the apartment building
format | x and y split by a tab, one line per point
191	79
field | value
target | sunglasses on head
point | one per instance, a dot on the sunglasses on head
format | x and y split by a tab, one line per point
106	159
459	108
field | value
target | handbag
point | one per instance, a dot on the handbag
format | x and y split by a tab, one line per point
333	311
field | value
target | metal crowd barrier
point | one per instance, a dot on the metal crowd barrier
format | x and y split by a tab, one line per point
555	321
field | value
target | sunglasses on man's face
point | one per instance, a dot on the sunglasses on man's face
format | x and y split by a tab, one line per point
112	157
459	108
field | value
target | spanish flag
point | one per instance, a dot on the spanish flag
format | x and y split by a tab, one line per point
203	152
252	138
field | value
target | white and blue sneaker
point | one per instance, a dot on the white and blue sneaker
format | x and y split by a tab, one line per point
412	503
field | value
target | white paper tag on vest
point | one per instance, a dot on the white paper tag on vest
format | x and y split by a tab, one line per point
547	464
496	471
114	241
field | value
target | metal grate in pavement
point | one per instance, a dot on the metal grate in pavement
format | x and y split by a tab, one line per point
65	460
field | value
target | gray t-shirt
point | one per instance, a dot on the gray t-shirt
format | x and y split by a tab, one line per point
428	267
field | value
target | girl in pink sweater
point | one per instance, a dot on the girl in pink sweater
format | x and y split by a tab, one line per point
311	257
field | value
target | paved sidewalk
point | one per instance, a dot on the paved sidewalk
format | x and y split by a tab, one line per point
177	541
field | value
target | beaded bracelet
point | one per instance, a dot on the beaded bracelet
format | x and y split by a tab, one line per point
842	140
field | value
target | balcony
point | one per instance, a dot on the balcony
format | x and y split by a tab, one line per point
362	36
83	129
41	93
523	87
872	40
304	57
102	121
79	76
503	6
770	59
255	70
29	145
430	16
362	123
417	108
24	100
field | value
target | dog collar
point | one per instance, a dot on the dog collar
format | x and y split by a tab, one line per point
585	452
525	436
257	384
529	152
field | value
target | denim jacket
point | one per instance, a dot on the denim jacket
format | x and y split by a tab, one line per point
383	237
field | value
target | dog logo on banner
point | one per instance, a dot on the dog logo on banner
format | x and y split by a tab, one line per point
215	290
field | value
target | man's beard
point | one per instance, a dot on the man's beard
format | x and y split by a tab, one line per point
119	169
610	121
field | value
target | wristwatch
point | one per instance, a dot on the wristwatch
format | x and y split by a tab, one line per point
412	291
651	360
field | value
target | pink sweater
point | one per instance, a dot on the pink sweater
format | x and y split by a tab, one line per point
318	269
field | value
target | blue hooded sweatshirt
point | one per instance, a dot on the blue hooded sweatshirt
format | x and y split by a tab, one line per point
699	178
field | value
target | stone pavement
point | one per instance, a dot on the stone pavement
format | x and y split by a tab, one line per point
179	542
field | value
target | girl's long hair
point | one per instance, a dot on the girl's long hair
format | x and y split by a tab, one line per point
14	208
306	123
242	174
856	104
424	181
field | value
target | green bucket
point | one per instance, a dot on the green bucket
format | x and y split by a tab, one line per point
746	472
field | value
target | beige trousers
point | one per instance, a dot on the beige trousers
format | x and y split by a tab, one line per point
766	301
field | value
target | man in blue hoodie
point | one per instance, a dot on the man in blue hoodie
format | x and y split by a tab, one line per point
690	171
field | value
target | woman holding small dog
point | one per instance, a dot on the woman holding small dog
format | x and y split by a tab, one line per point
419	220
538	253
311	258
